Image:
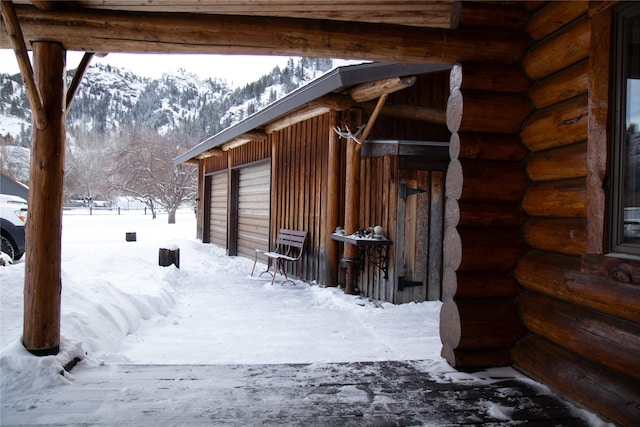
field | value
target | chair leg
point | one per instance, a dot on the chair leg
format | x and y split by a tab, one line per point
255	259
275	271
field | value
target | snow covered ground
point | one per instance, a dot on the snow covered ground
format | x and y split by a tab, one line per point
118	306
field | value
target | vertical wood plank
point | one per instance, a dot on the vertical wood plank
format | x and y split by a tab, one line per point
436	237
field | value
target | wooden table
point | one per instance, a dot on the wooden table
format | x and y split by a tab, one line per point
375	250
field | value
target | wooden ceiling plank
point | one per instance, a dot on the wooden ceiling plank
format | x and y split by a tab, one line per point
18	44
128	32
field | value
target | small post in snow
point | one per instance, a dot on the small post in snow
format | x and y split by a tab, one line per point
168	256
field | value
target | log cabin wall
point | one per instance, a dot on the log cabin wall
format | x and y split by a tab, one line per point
584	326
485	184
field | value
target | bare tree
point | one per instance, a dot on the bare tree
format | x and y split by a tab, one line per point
85	173
143	168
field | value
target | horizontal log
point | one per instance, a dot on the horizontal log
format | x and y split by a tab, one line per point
570	45
559	276
490	248
488	214
603	339
553	16
454	180
305	113
566	198
476	359
455	105
497	112
488	146
439	14
412	112
136	32
373	90
557	164
479	284
624	270
608	393
480	323
488	180
494	78
567	236
451	249
561	86
501	16
559	125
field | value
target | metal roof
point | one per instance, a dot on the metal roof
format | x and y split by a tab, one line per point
340	77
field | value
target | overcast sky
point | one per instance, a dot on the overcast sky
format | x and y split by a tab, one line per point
236	69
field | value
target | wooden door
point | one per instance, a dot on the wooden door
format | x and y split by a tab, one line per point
254	204
218	210
419	236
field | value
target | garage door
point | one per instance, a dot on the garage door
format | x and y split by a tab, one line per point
218	213
254	201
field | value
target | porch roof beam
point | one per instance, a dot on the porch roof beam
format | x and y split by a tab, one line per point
144	32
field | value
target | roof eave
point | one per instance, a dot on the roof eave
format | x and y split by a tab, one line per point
337	78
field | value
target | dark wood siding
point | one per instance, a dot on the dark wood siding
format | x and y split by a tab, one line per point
300	156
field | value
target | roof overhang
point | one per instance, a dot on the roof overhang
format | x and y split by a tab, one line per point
333	81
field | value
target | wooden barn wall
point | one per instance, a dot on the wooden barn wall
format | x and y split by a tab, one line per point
485	184
299	156
247	153
584	329
250	152
215	163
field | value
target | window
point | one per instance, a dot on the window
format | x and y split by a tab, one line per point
626	132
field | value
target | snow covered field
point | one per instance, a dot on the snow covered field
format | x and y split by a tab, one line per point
118	305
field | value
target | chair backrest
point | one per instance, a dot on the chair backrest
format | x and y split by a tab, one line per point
288	239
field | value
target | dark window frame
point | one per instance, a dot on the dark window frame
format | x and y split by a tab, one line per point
619	146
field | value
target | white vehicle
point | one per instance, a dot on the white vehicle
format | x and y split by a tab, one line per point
13	217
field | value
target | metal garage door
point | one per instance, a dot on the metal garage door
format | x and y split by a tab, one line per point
218	213
254	200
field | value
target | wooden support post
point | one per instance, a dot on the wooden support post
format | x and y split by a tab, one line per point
42	282
352	210
74	87
333	203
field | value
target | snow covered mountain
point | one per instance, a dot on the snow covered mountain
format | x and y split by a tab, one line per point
113	101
